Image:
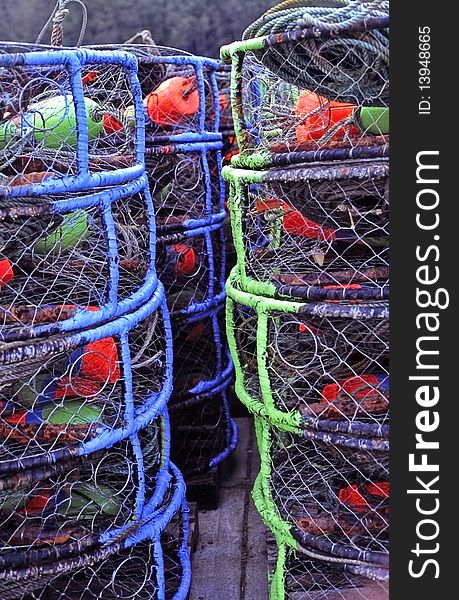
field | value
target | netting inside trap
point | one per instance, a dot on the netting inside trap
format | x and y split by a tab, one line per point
223	77
191	266
315	232
318	80
300	577
331	363
156	566
62	510
61	256
66	113
69	391
185	185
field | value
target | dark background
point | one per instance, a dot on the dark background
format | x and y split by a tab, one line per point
198	26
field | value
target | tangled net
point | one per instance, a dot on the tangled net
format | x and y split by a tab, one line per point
311	79
132	563
74	260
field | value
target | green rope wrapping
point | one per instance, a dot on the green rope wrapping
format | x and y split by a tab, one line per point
237	178
287	421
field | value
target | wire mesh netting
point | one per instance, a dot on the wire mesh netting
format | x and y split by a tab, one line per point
201	358
313	232
70	119
313	79
73	260
230	147
71	394
185	183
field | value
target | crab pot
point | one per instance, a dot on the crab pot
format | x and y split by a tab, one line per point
330	492
300	362
223	77
205	433
73	261
72	503
191	266
313	232
202	362
148	558
185	182
76	393
297	576
297	86
230	146
71	119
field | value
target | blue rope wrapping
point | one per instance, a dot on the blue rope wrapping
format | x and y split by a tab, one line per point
73	61
136	417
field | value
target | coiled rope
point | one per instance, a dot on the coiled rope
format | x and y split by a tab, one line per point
351	64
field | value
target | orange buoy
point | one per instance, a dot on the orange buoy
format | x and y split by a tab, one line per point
294	222
318	115
97	360
173	100
6	272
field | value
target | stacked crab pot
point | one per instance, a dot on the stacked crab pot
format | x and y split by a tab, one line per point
307	308
90	503
230	149
183	160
